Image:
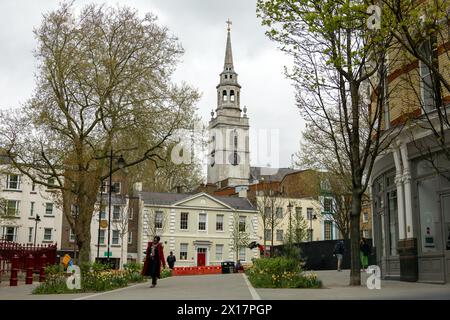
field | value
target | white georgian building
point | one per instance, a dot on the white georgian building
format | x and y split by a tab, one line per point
23	201
198	228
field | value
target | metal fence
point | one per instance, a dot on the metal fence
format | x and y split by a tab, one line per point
318	255
22	252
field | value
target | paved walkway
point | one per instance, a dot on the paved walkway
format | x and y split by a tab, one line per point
336	288
205	287
236	287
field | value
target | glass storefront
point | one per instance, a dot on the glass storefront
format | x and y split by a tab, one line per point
428	215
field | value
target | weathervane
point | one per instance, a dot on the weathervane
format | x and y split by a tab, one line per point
229	23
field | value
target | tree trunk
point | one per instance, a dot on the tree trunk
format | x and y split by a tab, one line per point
121	255
355	271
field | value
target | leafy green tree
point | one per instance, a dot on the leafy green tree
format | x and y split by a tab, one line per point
240	238
103	88
338	61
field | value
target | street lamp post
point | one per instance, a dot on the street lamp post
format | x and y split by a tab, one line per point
120	164
290	221
311	218
37	219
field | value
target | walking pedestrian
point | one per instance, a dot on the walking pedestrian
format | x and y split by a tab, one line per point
339	253
364	251
171	260
154	257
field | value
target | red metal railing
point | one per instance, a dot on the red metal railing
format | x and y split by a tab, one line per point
24	256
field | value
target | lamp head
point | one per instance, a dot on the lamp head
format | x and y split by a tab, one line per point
38	218
121	162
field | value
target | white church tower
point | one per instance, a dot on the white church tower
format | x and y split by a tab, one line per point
229	163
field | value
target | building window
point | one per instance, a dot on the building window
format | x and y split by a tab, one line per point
72	235
279	213
325	185
13	182
116	187
232	95
219	252
393	221
428	212
12	207
33	186
426	85
130	237
103	213
48	234
184	220
365	217
219	222
224	95
280	235
328	230
242	253
130	213
298	213
202	221
49	209
104	187
9	233
183	251
366	234
115	237
158	219
31	209
327	205
267	212
116	213
241	224
268	234
309	213
74	210
30	234
102	236
51	183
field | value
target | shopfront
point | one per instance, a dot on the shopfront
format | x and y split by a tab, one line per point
411	201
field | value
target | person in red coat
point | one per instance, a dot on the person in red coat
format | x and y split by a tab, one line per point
154	257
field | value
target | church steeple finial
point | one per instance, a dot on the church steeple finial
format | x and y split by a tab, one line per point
228	53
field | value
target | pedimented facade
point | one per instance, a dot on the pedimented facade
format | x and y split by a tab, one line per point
198	228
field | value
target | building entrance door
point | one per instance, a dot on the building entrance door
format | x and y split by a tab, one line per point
201	257
445	208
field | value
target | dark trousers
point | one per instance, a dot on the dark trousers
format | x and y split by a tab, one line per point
154	280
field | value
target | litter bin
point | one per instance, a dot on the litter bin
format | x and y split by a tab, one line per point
407	251
228	267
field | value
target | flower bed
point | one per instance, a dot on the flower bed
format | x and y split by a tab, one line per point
94	278
281	272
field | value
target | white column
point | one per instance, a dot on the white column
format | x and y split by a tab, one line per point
408	197
400	194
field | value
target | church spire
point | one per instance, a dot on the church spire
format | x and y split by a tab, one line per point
228	87
228	65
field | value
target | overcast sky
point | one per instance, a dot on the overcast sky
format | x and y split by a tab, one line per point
200	26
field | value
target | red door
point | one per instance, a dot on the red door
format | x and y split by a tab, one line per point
201	257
